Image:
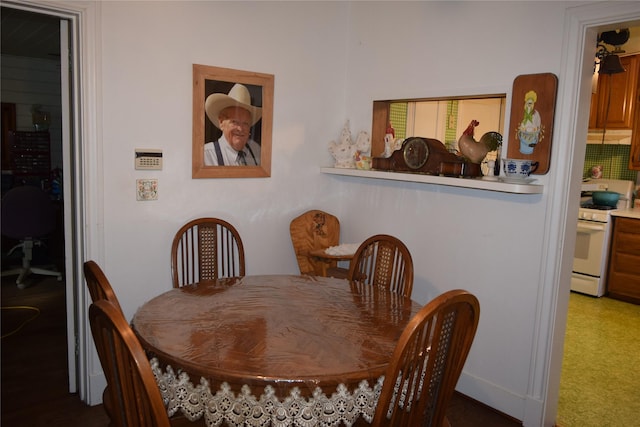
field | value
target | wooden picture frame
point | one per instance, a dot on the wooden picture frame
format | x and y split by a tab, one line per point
208	80
540	91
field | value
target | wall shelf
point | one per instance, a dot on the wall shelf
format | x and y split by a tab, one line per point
476	183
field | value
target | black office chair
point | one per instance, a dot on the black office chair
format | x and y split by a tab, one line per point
28	216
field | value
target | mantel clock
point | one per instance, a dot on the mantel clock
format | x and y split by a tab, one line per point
427	156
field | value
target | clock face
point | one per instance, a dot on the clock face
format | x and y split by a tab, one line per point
415	153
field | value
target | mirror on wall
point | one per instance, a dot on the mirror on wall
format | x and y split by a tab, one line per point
444	119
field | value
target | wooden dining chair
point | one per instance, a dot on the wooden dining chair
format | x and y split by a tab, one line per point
383	260
98	284
315	229
427	362
100	289
135	396
206	249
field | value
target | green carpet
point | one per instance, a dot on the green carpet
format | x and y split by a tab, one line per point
600	382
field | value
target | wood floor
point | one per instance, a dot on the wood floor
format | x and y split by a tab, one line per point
34	367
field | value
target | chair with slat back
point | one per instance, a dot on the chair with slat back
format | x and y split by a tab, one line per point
136	397
427	362
315	229
206	249
100	289
98	284
383	260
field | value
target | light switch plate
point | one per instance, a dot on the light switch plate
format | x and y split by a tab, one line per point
146	189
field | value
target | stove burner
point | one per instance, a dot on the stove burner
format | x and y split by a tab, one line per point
597	207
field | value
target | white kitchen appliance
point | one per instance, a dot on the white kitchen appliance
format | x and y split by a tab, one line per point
594	236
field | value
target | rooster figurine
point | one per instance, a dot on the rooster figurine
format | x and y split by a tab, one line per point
475	151
471	149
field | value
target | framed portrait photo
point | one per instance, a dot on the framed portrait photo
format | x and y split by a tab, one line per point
232	123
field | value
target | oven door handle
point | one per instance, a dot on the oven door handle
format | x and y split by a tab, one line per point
588	227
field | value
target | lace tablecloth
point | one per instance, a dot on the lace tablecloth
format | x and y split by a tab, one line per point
343	407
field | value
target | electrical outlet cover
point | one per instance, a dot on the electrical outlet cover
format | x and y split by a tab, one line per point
146	189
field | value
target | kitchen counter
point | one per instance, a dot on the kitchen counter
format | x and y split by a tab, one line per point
627	213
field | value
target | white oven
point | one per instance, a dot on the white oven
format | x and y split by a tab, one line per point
590	258
593	237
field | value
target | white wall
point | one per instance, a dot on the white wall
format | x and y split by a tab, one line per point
148	51
32	81
488	243
330	61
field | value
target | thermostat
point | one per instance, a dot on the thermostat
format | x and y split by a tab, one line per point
148	159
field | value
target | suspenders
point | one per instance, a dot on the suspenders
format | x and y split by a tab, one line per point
216	145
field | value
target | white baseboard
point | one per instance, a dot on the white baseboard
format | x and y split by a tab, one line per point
97	383
492	395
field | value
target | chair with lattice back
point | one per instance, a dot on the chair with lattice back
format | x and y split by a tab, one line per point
427	362
385	261
206	249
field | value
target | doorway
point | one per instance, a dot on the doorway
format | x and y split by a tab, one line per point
36	88
583	24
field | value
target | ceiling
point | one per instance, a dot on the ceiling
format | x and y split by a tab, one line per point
29	34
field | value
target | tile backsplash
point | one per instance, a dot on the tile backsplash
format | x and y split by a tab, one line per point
614	159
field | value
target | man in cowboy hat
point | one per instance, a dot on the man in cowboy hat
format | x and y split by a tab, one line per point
234	115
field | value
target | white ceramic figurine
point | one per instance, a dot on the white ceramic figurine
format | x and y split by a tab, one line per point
344	151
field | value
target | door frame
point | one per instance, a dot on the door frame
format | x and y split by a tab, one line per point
82	180
582	24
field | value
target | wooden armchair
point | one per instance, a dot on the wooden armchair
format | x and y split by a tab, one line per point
427	363
135	396
206	249
383	260
316	229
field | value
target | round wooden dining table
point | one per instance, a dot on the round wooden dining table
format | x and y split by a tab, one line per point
273	350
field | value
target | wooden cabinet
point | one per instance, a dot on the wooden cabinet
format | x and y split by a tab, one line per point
623	278
622	88
634	154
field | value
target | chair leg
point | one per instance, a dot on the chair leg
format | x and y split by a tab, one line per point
27	269
20	271
45	272
20	280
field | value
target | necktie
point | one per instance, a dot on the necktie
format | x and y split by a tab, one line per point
242	161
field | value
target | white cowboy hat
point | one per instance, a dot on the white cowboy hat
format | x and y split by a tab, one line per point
238	97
